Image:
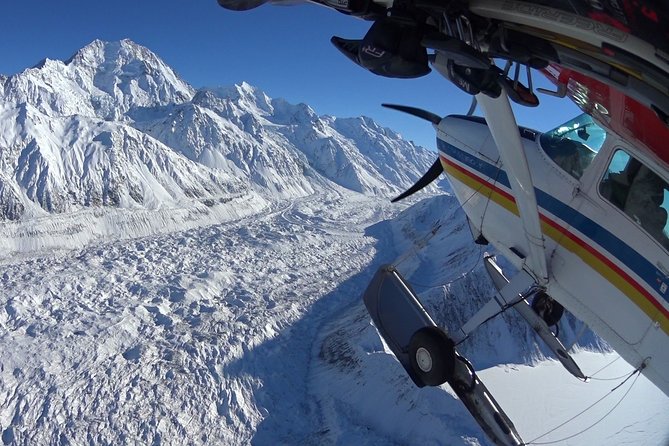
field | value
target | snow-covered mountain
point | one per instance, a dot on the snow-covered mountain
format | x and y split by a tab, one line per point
196	278
103	80
115	126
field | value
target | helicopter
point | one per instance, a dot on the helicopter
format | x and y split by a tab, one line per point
590	197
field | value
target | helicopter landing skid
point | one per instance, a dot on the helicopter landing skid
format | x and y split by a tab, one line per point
428	354
481	404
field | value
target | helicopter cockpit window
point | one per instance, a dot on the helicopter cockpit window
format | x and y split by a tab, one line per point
574	144
639	193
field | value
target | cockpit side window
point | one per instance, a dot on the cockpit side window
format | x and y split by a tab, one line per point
639	193
574	144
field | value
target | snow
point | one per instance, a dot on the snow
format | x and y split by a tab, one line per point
202	335
637	417
115	126
186	267
252	331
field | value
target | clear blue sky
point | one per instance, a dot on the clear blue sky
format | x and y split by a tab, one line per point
285	51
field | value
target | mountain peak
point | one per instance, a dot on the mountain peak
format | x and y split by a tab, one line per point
244	95
247	88
130	73
115	126
242	91
103	80
119	51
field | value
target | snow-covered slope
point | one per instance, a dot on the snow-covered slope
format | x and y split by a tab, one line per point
367	398
253	332
115	126
284	147
185	267
59	162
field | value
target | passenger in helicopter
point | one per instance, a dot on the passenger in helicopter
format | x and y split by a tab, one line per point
617	183
644	203
639	192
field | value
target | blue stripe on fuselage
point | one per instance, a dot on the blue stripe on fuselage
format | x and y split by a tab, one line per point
618	249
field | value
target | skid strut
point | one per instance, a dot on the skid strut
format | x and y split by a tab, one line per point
510	295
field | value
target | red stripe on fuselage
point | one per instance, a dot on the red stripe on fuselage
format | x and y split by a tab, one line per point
573	237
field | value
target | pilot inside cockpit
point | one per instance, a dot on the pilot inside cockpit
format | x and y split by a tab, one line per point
574	144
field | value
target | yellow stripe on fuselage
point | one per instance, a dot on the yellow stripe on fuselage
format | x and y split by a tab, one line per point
569	241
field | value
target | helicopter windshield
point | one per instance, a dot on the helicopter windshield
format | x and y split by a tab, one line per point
574	144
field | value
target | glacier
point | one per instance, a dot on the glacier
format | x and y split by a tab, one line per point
114	126
185	266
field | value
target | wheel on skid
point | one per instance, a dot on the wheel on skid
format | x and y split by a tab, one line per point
432	355
547	308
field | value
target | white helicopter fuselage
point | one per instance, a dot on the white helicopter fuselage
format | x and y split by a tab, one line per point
604	267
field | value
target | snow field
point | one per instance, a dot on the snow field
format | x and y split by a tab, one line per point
542	397
367	398
200	336
252	331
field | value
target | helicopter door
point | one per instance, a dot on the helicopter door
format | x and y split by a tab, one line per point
639	193
590	231
625	221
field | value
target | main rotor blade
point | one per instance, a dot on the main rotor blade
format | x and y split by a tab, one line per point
431	175
418	112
